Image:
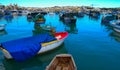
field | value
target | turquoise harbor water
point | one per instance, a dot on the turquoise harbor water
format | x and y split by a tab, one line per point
93	45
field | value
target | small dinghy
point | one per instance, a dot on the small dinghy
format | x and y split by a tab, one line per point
62	62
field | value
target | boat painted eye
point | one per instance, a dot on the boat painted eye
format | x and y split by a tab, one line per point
58	37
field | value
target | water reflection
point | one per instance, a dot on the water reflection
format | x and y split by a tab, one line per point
3	32
71	28
1	17
104	24
38	29
108	28
29	20
38	62
94	18
8	16
9	20
2	66
115	35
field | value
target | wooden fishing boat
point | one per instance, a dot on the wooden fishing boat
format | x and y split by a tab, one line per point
62	62
40	20
60	36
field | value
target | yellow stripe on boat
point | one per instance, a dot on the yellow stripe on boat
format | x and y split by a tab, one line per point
48	43
40	19
5	51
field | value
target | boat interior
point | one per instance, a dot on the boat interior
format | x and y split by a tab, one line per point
62	63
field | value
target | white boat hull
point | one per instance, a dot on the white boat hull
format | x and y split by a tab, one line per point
42	50
2	25
2	28
117	30
116	25
50	47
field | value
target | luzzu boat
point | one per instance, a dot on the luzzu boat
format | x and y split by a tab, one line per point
24	52
39	19
54	44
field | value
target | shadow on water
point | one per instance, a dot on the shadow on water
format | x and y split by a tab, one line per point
39	62
29	20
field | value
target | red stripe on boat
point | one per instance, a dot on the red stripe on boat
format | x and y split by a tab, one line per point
61	35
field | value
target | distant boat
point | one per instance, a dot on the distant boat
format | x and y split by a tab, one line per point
20	12
116	25
69	20
106	18
94	14
80	14
62	62
14	12
40	21
51	13
29	16
8	15
34	14
48	28
2	26
39	18
47	46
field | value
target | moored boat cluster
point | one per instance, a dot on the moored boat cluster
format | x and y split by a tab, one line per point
67	16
